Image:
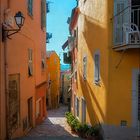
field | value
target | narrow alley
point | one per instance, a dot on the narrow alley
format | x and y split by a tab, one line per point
54	127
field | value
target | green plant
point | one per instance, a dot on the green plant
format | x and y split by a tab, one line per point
97	129
78	127
90	132
74	124
93	131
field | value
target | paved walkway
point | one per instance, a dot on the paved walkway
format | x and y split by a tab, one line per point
54	127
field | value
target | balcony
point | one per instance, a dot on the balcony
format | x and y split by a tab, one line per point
48	37
127	29
67	58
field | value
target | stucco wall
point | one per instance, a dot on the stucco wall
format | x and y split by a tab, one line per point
53	68
30	36
93	37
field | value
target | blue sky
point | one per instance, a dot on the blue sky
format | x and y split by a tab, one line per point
60	10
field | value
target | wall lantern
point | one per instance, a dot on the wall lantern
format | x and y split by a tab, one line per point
19	19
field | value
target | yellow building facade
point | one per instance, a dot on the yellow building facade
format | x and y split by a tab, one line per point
108	66
53	79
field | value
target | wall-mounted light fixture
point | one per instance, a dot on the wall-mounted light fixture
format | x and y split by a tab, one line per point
19	19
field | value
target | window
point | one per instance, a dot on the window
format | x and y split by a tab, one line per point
76	100
77	107
38	108
75	76
30	62
43	64
85	67
30	7
83	110
96	68
43	14
122	16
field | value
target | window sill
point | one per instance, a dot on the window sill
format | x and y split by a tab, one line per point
31	16
97	83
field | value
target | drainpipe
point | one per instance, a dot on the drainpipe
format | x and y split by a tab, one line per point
0	74
6	80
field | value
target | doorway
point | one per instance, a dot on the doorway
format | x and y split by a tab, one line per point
30	112
83	111
136	100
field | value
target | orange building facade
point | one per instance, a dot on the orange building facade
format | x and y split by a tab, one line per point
22	68
53	79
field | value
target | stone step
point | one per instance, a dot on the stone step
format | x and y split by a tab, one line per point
50	138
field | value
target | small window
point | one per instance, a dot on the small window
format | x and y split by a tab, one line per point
43	63
85	67
96	68
43	14
30	7
77	107
38	108
30	62
75	76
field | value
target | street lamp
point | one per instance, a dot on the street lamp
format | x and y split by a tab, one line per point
19	19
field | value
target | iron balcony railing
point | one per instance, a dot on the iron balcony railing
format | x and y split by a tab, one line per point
127	26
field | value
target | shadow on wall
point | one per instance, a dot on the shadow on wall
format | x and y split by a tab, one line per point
90	97
95	38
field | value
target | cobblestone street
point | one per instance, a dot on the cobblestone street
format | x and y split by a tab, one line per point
54	127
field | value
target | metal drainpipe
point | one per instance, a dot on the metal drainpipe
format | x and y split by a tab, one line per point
0	71
6	80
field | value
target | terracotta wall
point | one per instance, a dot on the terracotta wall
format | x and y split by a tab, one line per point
33	37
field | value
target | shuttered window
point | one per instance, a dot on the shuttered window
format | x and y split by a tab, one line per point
77	107
85	68
43	64
30	62
30	7
96	68
43	14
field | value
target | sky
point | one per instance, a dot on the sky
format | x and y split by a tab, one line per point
60	10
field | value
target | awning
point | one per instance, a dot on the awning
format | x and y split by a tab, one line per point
65	45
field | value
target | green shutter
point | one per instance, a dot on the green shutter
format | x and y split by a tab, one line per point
43	14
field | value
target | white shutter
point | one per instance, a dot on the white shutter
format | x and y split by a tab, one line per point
122	15
85	68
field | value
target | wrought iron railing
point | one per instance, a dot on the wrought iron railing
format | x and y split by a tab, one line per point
127	26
